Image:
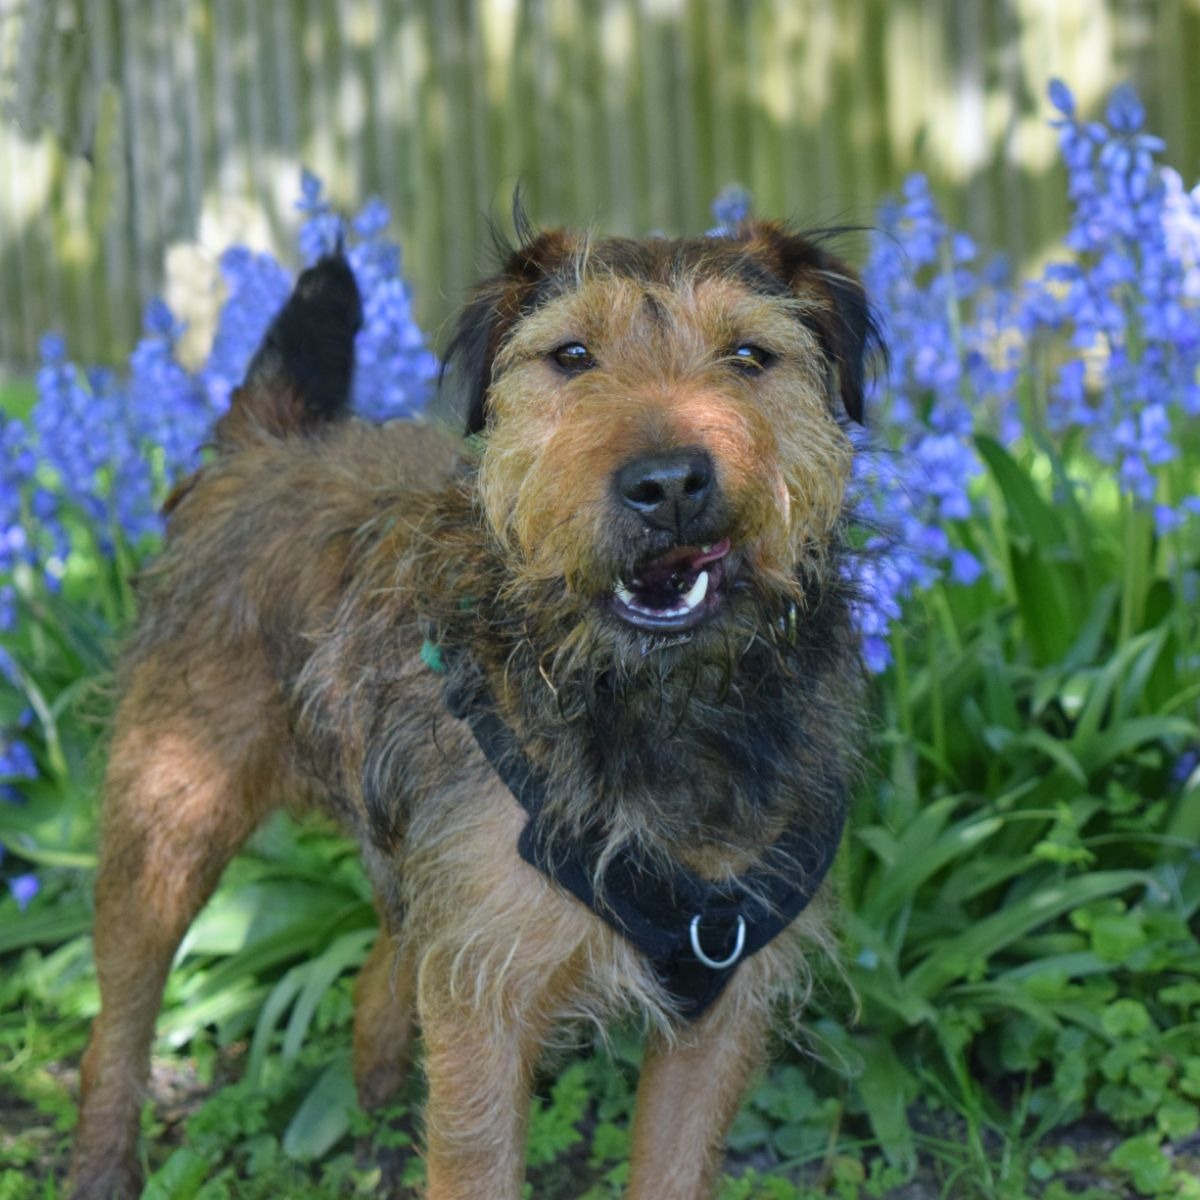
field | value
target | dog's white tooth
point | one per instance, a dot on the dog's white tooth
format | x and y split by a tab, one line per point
624	594
707	548
698	591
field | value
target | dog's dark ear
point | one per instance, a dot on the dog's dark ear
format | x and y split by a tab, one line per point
492	310
845	324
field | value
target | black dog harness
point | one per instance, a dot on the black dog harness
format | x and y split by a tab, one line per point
693	931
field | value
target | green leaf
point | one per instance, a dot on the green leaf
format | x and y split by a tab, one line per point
271	1013
1126	1018
324	1116
240	916
1183	995
1144	1159
1054	749
181	1024
348	951
750	1130
75	860
920	859
179	1178
1134	732
880	988
887	1087
46	928
1115	936
954	957
299	941
798	1139
1088	645
1134	658
1003	996
1030	516
1044	572
1044	597
1070	965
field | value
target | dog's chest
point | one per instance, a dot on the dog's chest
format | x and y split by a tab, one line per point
509	936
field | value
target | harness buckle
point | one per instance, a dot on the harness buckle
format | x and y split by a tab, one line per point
713	963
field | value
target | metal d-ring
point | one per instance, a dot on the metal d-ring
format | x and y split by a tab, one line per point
714	963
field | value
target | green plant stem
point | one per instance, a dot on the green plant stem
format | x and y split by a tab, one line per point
904	715
1133	577
123	564
937	718
55	758
940	602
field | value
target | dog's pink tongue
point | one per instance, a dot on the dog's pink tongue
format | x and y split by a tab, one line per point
682	560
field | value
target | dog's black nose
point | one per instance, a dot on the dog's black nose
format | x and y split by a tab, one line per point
668	491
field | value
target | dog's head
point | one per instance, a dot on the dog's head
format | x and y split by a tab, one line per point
662	421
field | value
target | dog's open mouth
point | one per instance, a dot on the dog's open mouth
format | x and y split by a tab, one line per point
675	591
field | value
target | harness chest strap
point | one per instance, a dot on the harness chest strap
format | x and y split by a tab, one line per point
694	932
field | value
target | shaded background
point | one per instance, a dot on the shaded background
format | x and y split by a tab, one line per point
138	138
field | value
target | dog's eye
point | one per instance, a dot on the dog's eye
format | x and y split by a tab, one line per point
573	358
751	358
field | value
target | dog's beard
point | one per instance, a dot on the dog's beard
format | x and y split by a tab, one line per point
587	655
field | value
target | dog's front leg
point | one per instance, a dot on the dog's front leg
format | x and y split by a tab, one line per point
687	1097
479	1070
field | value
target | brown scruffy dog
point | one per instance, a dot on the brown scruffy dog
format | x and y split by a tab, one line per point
583	685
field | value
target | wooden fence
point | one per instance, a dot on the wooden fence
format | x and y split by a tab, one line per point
137	137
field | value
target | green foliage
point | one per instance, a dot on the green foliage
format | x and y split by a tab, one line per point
1022	885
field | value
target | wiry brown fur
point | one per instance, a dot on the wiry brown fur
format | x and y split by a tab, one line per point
278	660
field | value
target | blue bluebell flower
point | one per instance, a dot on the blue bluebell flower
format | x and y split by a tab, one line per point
1131	296
23	889
1186	768
730	209
17	464
16	760
1125	112
323	230
1061	97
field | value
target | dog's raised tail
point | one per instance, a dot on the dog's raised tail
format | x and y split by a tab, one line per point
300	377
